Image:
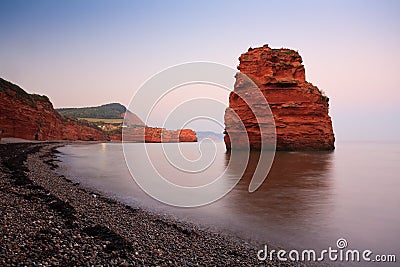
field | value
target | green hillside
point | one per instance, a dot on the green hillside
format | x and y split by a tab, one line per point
14	90
117	121
107	111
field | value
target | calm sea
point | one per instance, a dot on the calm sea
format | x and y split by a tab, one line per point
309	199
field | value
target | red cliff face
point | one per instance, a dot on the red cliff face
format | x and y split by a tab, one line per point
158	135
299	109
187	135
33	117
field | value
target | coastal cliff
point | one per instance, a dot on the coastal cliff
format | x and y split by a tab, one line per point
300	109
32	117
158	135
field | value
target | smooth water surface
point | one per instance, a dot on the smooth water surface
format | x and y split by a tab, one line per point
309	199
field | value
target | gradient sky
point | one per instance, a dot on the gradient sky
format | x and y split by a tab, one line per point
83	53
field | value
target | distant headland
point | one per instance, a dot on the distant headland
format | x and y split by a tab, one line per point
32	117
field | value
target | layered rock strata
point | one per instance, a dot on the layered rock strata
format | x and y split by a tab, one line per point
299	109
158	135
32	117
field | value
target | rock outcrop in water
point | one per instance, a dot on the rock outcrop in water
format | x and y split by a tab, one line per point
159	135
300	109
32	117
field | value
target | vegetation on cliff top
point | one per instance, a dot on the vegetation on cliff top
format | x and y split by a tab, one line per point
107	111
14	90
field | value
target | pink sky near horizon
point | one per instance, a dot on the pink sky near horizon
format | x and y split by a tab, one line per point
92	53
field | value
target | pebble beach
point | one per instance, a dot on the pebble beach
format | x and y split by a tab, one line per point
48	220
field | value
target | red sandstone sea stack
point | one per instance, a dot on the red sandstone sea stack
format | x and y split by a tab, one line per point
299	109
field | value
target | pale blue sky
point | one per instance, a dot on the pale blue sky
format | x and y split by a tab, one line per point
83	53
